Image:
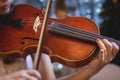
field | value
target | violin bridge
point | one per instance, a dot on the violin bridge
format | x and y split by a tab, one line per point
36	24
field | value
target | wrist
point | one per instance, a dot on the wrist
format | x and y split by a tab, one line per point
88	73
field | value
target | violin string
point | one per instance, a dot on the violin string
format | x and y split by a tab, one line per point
93	35
33	19
85	33
30	20
73	30
70	32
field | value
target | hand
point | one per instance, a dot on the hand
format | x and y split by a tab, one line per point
22	75
107	52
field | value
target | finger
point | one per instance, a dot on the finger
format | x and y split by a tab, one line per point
109	48
115	50
32	78
28	77
34	73
102	46
101	56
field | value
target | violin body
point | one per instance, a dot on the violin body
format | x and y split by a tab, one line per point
22	40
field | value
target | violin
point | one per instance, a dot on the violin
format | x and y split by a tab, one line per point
69	41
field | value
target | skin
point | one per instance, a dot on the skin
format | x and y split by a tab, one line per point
108	51
22	75
5	6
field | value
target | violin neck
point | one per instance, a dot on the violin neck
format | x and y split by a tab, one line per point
68	31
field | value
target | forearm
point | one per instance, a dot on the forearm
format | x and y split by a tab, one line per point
46	68
80	75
